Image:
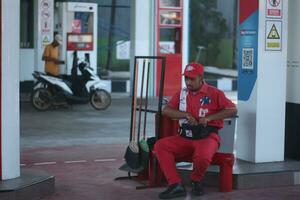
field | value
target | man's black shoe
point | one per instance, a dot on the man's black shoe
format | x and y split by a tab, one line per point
175	190
197	188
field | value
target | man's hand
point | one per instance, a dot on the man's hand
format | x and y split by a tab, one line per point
177	114
59	62
191	120
203	121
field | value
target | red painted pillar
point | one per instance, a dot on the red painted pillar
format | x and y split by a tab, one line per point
169	32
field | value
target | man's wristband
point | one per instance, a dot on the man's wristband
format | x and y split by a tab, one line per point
208	119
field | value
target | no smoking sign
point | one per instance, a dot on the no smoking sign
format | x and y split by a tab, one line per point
274	9
274	3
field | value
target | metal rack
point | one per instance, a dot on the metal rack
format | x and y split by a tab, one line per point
161	89
160	61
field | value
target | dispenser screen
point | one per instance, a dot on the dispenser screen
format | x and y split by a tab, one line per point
80	41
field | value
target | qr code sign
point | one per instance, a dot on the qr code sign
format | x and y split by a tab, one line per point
247	62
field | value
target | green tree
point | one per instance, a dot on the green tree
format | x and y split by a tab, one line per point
208	27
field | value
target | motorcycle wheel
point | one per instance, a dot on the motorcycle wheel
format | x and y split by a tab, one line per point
41	99
100	99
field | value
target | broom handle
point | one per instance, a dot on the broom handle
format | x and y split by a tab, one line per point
146	101
134	103
141	100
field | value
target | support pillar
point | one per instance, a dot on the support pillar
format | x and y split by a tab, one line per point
10	110
262	80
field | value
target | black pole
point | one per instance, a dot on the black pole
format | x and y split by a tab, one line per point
161	93
141	99
111	34
146	100
74	66
133	99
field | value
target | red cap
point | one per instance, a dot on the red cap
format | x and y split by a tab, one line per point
193	69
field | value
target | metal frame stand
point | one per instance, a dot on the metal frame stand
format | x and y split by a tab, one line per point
149	177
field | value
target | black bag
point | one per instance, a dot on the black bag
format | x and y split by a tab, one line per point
151	142
197	131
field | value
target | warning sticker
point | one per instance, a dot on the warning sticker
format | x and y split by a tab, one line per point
274	8
273	39
45	40
273	34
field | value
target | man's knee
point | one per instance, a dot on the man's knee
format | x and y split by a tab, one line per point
158	145
162	144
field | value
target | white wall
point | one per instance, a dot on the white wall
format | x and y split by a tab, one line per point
10	89
140	28
39	34
26	64
141	35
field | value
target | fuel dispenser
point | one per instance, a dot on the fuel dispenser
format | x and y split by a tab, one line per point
169	43
77	23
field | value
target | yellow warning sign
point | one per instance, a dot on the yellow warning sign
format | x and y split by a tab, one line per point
273	45
45	40
273	34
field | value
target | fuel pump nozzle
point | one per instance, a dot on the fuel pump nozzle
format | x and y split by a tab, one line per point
74	65
87	58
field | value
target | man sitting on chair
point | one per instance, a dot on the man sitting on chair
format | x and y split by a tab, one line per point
200	109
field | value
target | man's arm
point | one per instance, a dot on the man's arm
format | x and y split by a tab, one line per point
50	59
225	113
177	114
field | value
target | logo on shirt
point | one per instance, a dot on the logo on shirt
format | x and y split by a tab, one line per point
205	100
202	112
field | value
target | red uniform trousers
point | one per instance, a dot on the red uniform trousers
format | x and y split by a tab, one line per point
170	150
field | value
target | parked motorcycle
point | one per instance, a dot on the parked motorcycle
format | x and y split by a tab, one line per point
49	91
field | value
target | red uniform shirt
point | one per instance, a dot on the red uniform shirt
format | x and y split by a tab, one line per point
207	101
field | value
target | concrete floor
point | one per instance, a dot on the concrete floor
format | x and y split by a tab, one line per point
79	125
92	176
83	148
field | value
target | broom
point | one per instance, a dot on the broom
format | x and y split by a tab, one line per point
132	156
144	148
